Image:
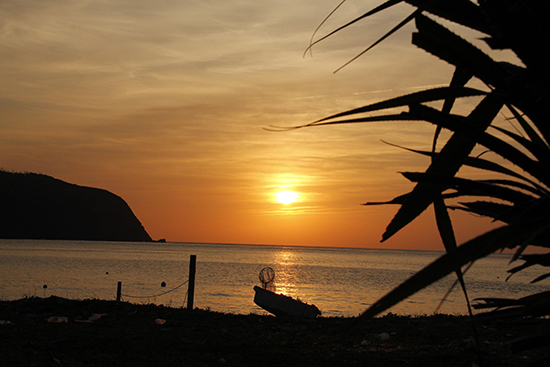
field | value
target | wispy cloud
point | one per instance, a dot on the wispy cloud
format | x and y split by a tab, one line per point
167	99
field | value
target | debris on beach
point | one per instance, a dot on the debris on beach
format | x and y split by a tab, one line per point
57	319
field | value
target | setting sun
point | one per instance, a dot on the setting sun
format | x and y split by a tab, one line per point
286	197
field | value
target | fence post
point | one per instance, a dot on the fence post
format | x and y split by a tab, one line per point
191	289
118	291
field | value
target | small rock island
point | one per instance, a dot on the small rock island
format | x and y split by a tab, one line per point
36	206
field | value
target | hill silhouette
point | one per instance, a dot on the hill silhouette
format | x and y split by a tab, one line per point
36	206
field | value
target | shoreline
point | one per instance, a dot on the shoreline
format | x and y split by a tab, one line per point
53	331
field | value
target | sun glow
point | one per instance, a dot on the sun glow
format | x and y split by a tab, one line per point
286	197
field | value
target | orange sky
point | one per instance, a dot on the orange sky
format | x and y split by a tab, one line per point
165	103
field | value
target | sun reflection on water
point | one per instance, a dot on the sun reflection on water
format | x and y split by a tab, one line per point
286	275
340	282
285	257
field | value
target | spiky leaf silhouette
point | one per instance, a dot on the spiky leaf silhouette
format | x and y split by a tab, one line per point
521	200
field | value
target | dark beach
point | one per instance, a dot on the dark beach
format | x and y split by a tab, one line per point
125	334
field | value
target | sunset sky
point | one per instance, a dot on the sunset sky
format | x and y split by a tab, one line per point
164	103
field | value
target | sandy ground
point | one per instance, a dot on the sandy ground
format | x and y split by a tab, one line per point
55	331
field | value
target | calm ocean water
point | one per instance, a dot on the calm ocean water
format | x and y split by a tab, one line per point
341	282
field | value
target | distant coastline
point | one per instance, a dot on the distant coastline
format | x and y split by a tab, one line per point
37	206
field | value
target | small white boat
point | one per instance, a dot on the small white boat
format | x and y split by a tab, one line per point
281	305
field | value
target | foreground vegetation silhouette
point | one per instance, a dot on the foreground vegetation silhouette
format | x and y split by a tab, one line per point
516	193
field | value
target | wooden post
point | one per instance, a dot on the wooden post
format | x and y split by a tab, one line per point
118	291
191	289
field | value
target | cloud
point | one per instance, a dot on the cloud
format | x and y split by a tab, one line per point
168	100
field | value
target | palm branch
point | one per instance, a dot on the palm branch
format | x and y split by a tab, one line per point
518	196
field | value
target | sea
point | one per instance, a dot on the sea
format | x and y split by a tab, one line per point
339	281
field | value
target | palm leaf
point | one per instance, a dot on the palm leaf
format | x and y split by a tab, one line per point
497	211
389	33
508	236
515	184
430	95
311	42
542	277
384	6
531	133
523	89
460	78
459	11
540	152
532	306
522	27
451	48
463	12
401	199
447	163
441	42
463	126
397	200
446	232
470	187
530	260
483	164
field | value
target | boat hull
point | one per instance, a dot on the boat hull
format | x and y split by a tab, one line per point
281	305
